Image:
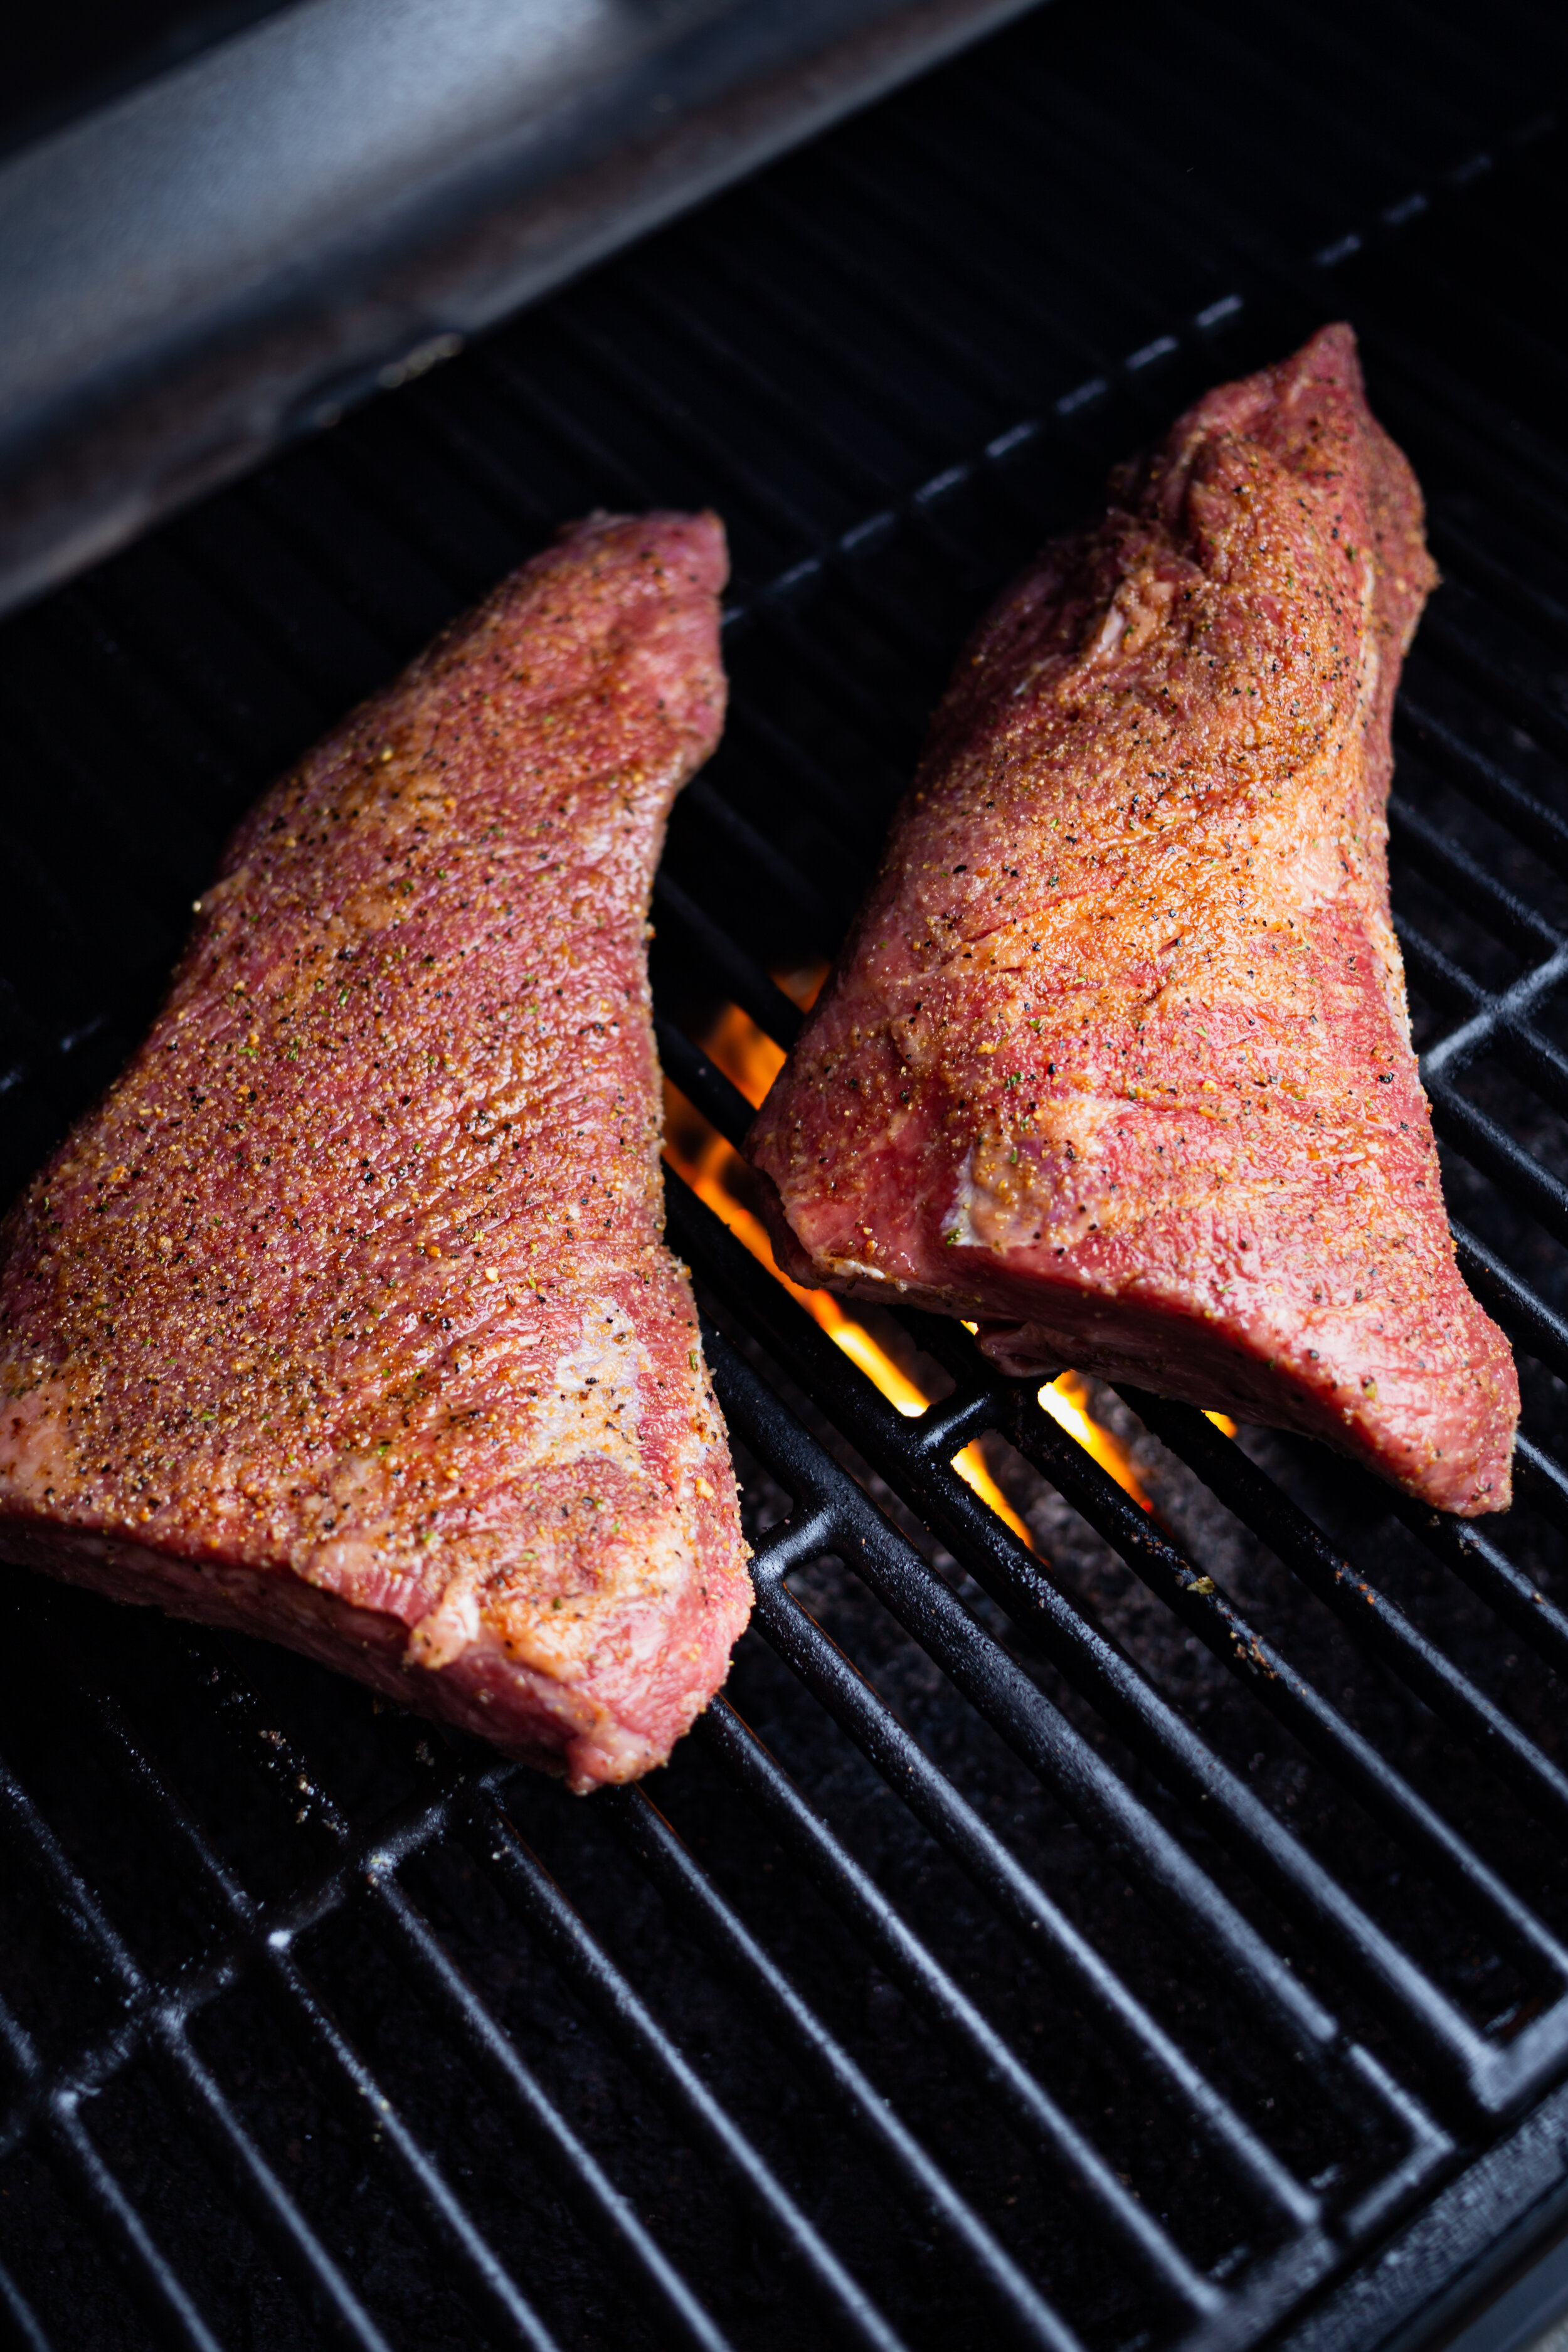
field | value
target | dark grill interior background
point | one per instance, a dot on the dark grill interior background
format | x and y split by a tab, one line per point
1035	1948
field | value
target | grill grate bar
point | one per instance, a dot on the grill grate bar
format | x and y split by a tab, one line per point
817	659
1309	1893
1022	2311
497	2063
466	430
1506	914
930	1796
1472	661
1489	1146
498	1846
1483	779
1533	1058
1457	546
205	1981
809	427
715	1095
1472	2070
1033	2114
1542	1480
1451	984
20	2317
745	981
387	2131
1384	1793
525	395
1375	1623
979	1667
317	2279
832	1512
747	726
745	486
782	879
1531	1055
1496	1020
509	2082
1111	1682
373	1868
913	320
891	400
1478	1562
152	2274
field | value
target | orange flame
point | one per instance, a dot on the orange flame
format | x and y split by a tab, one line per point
802	983
1066	1398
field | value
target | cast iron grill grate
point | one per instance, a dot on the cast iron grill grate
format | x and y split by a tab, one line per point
1096	1942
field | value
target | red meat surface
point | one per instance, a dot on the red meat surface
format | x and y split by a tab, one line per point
1116	1062
345	1319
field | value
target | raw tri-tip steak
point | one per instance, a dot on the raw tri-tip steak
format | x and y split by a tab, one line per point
345	1319
1116	1062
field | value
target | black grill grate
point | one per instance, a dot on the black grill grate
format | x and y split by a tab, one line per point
1102	1943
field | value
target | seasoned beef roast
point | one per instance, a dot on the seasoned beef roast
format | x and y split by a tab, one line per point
345	1317
1116	1062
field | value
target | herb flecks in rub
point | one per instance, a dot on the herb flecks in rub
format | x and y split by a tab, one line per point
345	1317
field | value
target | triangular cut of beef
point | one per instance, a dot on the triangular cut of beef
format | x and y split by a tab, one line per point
1116	1064
345	1319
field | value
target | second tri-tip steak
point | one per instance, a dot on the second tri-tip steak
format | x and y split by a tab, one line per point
1116	1062
345	1319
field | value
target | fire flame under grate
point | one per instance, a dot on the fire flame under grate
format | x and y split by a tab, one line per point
1124	1879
